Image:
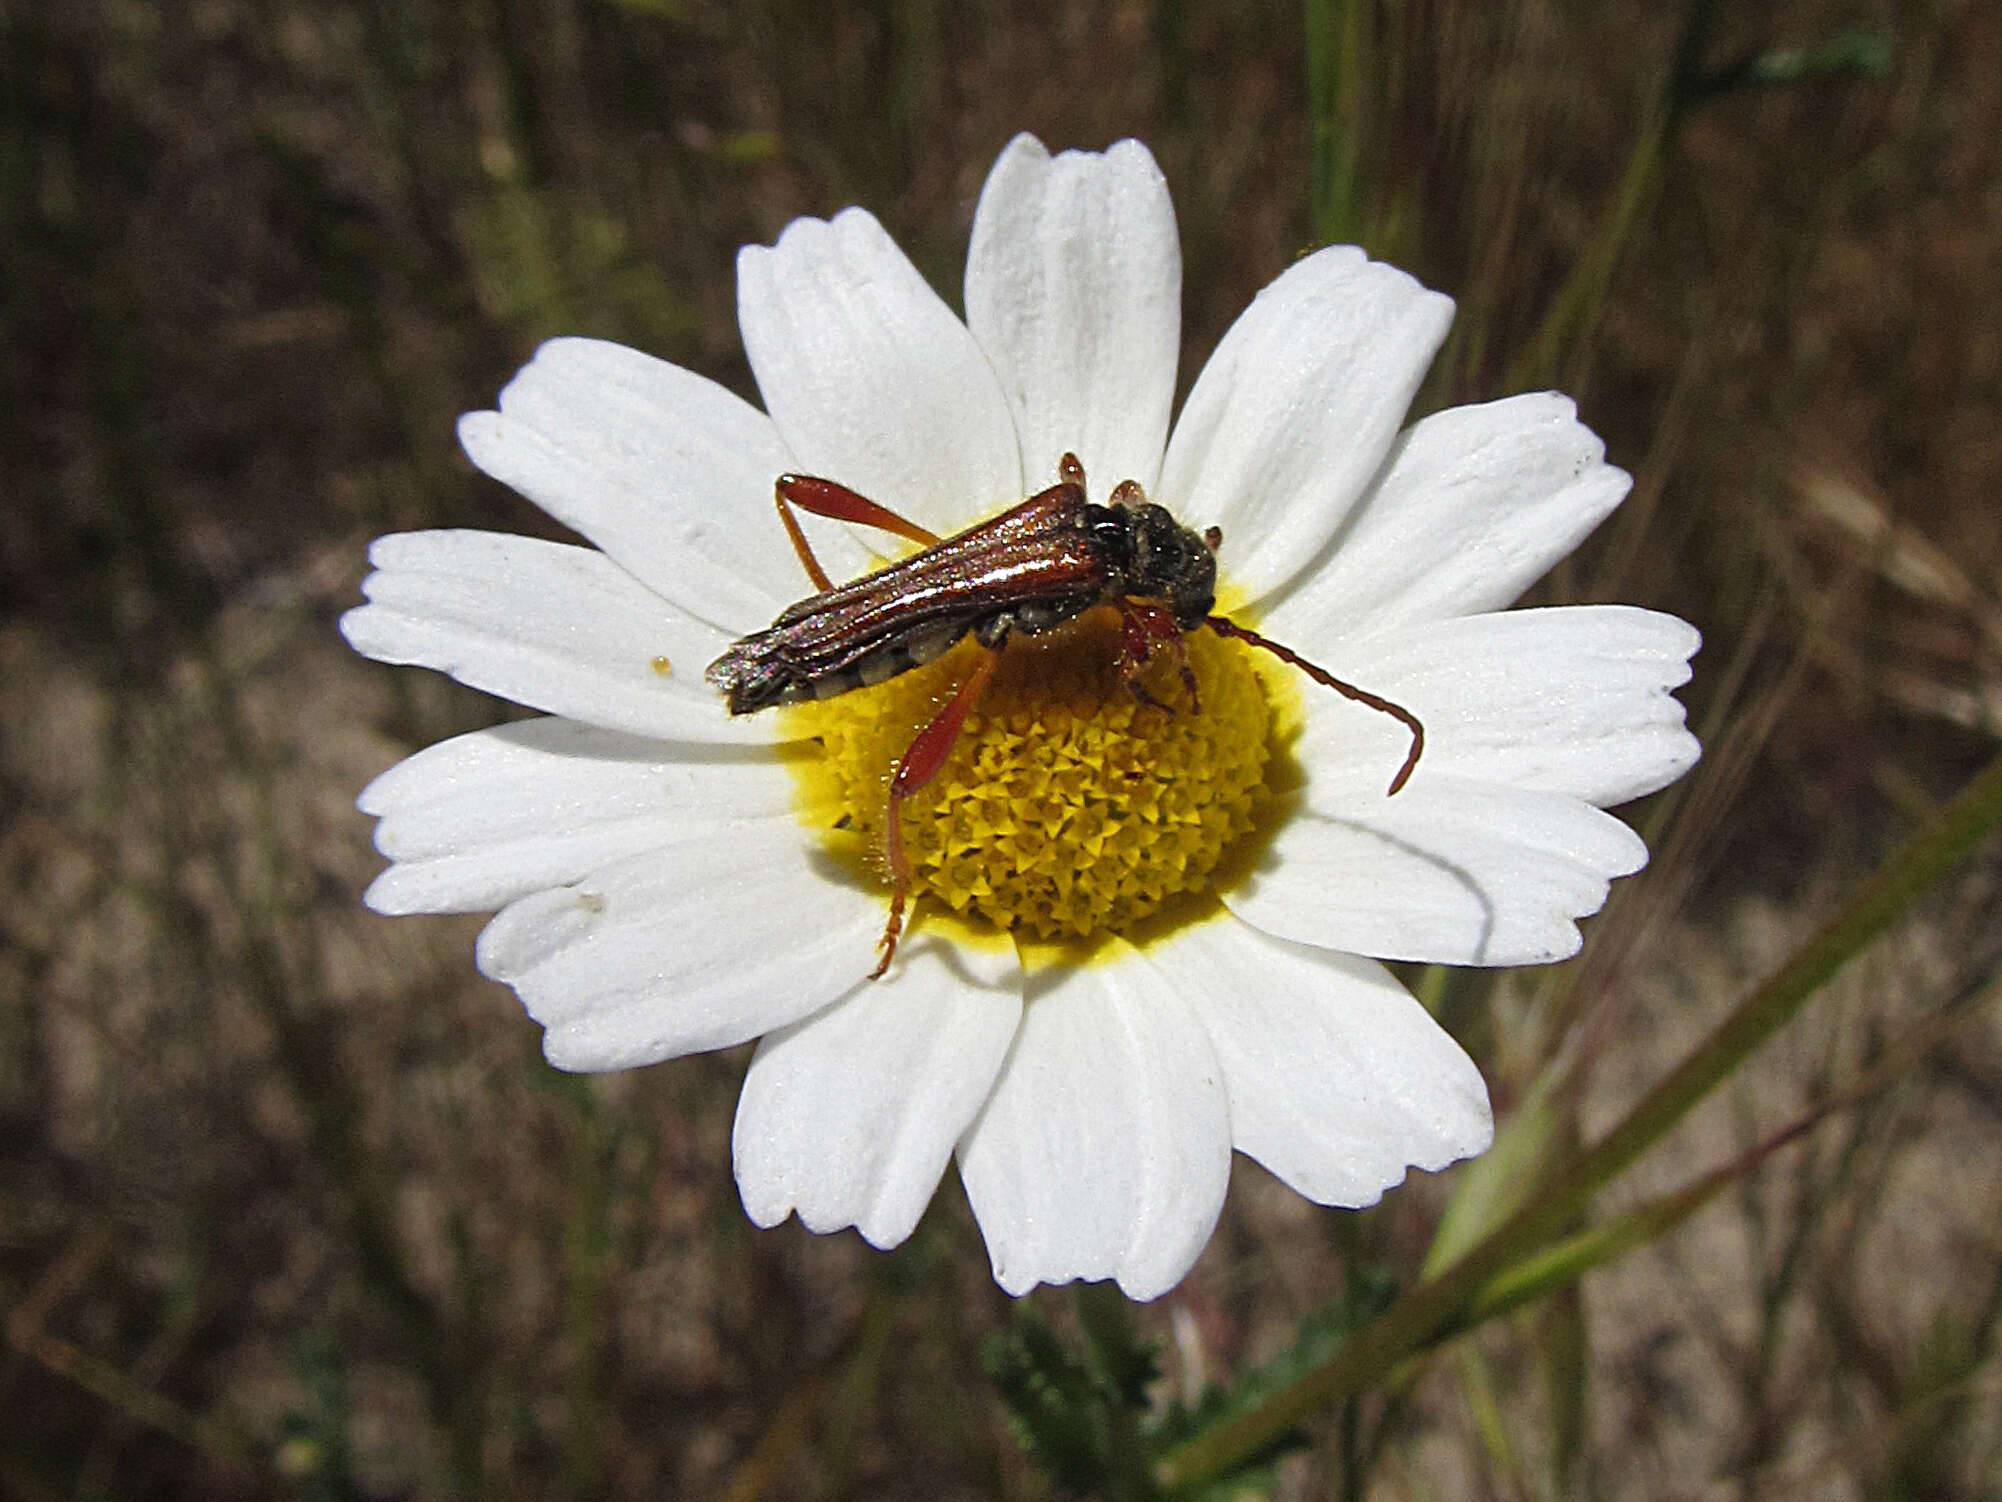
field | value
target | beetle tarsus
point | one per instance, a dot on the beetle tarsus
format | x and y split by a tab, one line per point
886	946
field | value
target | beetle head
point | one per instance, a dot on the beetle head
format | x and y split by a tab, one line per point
1172	563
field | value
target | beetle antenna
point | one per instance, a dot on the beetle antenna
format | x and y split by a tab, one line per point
1223	626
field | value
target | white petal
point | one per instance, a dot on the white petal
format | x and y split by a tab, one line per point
872	380
1575	699
1074	289
1474	506
1447	871
1338	1079
476	821
701	944
1297	408
558	628
850	1116
1104	1150
667	472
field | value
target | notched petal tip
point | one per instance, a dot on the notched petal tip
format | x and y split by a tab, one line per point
1685	643
1466	1136
1027	153
1140	1288
1023	148
570	351
527	932
1449	1143
849	1117
1130	151
353	623
479	433
380	795
572	361
846	229
576	1051
388	894
1017	1282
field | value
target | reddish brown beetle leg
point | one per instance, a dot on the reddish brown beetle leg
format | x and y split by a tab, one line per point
919	766
1144	628
825	498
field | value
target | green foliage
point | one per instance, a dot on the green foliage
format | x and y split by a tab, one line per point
1074	1410
1122	1365
313	1450
1369	1291
1071	1411
1859	54
1933	1412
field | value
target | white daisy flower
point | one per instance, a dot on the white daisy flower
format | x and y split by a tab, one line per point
1191	905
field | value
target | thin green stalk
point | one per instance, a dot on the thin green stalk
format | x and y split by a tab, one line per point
1337	60
139	1402
1575	308
587	1240
1107	1321
859	1350
1936	850
1564	1339
1433	1306
1566	1261
856	1396
1354	1473
1504	1461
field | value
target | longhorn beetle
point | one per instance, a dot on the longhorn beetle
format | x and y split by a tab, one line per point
1036	566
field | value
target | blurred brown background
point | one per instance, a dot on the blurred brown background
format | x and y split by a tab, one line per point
289	1204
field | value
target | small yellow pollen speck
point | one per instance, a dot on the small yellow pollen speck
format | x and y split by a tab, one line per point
662	666
1067	809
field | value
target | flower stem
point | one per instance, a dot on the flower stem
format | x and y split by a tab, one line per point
1437	1305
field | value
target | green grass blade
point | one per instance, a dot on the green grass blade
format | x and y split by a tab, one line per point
1337	57
1568	1260
1440	1303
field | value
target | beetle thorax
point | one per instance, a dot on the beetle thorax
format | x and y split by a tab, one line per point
1153	556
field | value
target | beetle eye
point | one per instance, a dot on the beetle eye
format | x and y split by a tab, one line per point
1213	538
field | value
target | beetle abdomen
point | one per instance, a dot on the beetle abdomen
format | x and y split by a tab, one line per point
760	671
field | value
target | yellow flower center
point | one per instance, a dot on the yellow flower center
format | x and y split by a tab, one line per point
1067	808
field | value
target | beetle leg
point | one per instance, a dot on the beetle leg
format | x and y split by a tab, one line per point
1145	628
920	764
825	498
